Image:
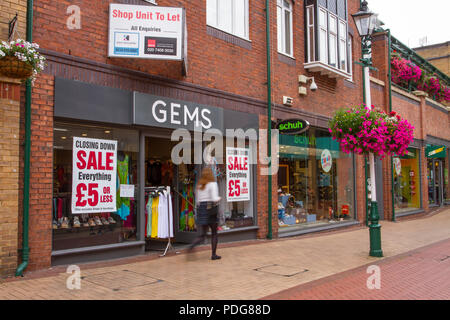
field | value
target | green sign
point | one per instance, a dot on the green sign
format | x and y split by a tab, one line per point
435	152
292	126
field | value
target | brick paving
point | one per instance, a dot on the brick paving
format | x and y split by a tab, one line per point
422	274
251	271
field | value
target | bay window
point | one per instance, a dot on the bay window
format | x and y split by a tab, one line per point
284	26
327	38
230	16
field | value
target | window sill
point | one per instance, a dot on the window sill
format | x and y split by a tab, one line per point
286	55
229	33
326	70
228	37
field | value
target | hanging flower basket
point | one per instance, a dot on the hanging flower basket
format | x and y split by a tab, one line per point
363	130
20	60
12	67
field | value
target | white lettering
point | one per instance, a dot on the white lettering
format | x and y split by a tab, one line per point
163	112
188	116
174	113
206	119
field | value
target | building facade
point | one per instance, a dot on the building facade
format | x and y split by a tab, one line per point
437	54
88	95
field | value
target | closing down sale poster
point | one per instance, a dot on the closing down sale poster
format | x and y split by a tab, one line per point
94	175
238	174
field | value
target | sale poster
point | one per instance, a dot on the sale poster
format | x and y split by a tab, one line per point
94	175
238	174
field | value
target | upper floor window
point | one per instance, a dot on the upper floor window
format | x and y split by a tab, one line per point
327	34
284	26
228	15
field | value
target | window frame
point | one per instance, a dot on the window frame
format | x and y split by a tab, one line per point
281	28
317	56
233	19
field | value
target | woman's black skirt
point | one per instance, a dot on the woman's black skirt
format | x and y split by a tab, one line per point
203	216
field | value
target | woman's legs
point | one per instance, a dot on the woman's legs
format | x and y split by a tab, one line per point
200	238
214	241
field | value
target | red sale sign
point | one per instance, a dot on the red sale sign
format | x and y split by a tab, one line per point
94	175
238	174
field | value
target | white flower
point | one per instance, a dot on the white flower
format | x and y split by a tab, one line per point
2	54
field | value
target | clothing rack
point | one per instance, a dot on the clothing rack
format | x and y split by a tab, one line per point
169	242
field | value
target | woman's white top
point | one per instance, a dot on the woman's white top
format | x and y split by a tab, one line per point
210	193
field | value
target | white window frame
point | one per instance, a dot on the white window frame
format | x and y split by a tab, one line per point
281	27
311	47
318	50
343	37
333	34
323	54
215	23
350	57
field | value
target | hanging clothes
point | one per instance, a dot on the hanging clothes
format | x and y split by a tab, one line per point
155	203
123	204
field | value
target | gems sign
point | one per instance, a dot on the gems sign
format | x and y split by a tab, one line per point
149	32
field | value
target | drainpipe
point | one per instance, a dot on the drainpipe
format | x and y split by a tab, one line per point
390	109
26	182
269	123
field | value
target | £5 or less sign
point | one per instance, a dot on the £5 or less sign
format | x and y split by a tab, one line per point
94	175
238	174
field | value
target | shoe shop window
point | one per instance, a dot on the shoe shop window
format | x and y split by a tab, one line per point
315	182
77	230
407	181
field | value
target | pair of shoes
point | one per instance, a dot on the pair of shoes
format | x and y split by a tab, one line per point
97	221
111	220
55	224
85	222
225	228
76	222
104	221
91	222
65	223
216	257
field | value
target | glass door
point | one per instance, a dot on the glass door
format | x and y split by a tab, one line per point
435	182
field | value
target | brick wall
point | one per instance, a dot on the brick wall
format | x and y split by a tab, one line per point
41	172
9	174
8	9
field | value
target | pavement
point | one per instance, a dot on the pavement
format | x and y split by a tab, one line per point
324	266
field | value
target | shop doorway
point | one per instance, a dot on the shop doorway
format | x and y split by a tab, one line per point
435	182
160	173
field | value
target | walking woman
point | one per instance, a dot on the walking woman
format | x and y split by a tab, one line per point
207	209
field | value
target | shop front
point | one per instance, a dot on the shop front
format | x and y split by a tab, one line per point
150	193
316	183
407	182
437	174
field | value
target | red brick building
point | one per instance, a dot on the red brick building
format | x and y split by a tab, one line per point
88	92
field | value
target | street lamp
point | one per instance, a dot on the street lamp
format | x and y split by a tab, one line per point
365	21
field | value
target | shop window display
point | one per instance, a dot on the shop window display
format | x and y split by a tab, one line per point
316	183
92	229
407	181
446	178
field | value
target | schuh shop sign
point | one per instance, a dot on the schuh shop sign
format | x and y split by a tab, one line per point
293	126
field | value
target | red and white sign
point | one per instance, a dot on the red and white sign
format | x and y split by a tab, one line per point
238	174
94	175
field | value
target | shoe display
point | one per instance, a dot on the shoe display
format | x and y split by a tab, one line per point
85	222
55	224
65	223
104	221
76	222
97	221
111	220
91	222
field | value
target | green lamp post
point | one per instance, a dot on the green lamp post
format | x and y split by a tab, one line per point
365	21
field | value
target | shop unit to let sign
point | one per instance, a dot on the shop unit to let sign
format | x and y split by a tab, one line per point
146	32
238	174
94	175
